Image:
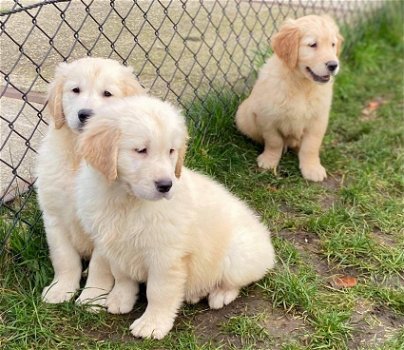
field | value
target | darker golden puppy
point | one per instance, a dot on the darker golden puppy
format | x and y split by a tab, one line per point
290	102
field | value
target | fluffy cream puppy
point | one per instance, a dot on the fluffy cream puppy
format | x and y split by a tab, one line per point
77	89
156	221
290	102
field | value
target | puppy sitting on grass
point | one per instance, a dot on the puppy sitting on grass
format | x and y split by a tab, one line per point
78	88
160	223
291	100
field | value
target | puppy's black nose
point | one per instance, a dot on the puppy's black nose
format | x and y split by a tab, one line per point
332	65
84	114
163	186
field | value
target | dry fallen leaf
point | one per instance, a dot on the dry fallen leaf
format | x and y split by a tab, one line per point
369	112
374	105
341	281
271	188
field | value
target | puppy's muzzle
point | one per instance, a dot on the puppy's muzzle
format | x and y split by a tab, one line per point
84	114
163	186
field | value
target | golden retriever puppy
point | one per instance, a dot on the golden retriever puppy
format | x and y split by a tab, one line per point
156	221
77	89
290	102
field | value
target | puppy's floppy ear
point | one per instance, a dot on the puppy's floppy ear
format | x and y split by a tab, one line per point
285	43
181	157
340	40
98	145
130	85
55	95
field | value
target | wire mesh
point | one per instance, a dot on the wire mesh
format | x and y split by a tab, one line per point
180	50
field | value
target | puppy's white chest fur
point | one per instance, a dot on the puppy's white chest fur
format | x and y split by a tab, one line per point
149	238
302	109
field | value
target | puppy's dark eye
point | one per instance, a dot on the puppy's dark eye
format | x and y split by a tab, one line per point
333	44
107	93
141	150
76	90
172	150
313	45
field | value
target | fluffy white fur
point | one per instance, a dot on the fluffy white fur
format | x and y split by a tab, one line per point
189	241
81	85
290	102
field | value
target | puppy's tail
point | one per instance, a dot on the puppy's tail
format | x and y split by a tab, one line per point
246	121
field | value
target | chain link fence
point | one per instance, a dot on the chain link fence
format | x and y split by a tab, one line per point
180	50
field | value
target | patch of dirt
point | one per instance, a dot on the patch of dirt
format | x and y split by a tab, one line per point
384	239
286	209
328	201
391	281
372	325
208	324
304	241
308	244
116	327
333	182
281	324
111	333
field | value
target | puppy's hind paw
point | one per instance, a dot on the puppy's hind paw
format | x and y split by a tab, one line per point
93	298
121	299
221	297
148	326
314	173
58	292
265	161
117	305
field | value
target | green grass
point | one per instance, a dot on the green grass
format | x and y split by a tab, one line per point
248	329
352	224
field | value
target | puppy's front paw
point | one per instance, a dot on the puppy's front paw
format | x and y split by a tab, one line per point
267	161
152	326
221	297
314	173
121	300
94	297
58	292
